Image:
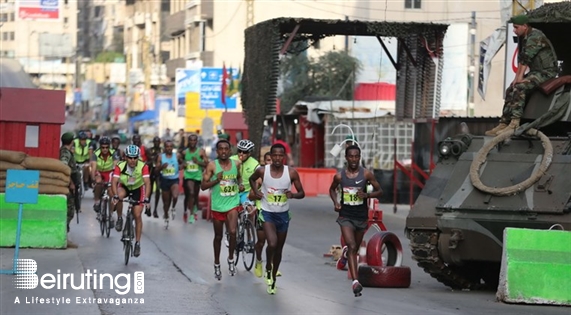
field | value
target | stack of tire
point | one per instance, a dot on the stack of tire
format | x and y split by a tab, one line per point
384	273
54	175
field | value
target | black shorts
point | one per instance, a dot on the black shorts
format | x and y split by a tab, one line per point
356	224
138	194
166	183
196	182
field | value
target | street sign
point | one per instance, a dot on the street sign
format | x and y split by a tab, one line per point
22	186
211	89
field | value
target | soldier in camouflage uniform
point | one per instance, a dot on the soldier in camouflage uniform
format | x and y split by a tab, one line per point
536	54
66	156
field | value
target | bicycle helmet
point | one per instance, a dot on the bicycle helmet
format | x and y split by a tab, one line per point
245	145
115	137
132	151
82	135
104	140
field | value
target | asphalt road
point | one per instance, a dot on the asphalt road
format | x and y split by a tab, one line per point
178	268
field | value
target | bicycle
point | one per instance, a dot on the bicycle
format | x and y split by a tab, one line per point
246	239
78	194
105	215
129	229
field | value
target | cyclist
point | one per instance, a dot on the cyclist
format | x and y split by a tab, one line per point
352	206
102	164
154	153
82	153
274	195
249	165
115	143
131	177
167	167
194	160
222	176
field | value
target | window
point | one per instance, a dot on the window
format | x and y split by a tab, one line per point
4	35
412	4
3	17
65	20
12	16
32	134
12	35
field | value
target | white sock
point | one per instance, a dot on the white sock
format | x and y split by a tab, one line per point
355	281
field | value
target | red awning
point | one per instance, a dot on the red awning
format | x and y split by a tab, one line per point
233	121
375	92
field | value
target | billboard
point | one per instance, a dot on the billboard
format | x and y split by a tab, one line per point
186	81
38	10
211	88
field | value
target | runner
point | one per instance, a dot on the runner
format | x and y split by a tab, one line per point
275	194
352	207
222	176
168	169
154	153
194	160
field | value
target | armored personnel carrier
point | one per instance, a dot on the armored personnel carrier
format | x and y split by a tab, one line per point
481	185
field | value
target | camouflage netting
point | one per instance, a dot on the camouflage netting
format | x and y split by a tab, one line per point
554	19
264	41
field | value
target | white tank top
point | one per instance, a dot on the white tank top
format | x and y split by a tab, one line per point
274	190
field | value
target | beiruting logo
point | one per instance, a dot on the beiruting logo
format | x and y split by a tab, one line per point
26	278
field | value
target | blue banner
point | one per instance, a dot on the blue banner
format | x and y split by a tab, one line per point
211	88
187	80
163	103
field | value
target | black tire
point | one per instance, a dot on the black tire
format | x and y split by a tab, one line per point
77	201
105	217
249	242
101	221
127	251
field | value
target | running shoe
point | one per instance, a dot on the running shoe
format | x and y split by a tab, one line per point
231	267
191	219
272	288
268	277
185	217
357	288
258	271
217	272
278	274
137	250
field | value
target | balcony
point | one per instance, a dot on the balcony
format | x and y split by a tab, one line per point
139	18
175	24
207	10
207	57
173	64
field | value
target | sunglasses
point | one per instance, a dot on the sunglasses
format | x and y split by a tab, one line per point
243	152
104	147
132	158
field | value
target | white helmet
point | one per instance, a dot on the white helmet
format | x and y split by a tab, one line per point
245	145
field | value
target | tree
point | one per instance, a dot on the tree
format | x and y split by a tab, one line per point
330	75
108	56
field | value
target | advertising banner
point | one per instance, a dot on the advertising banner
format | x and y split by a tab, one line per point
211	88
38	10
186	81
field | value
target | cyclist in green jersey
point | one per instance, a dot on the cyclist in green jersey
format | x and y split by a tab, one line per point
224	180
193	160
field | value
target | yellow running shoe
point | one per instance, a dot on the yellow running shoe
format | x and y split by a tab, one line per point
278	274
272	288
258	271
268	277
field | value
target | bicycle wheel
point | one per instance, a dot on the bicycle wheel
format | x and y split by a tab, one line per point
102	219
249	238
109	216
129	243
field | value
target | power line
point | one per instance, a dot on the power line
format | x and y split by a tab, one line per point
227	23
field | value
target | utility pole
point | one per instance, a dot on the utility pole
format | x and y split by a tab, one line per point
472	67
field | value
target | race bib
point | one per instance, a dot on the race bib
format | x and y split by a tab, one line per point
191	167
228	187
168	171
277	197
350	196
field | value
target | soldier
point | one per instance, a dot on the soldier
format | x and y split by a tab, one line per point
537	55
66	156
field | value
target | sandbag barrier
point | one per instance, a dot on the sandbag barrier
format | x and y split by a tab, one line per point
54	175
